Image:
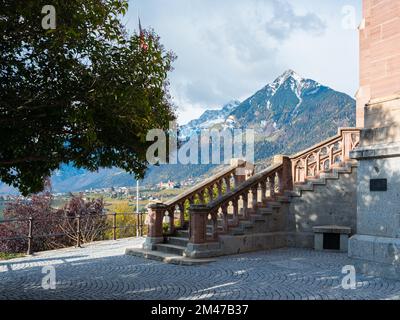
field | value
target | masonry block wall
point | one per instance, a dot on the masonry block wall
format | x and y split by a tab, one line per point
379	53
334	203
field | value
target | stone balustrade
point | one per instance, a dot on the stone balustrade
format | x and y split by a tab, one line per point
207	191
239	203
220	202
325	156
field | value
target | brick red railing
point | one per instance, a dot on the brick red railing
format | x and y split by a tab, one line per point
325	156
238	203
206	191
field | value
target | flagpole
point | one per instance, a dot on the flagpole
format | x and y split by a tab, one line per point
137	210
137	196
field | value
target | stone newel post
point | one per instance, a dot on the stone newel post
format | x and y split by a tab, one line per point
198	224
243	171
287	178
156	214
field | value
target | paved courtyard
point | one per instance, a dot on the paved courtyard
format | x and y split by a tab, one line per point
102	271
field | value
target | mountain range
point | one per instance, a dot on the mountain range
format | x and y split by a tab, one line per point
288	115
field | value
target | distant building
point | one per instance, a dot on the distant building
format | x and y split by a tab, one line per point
167	185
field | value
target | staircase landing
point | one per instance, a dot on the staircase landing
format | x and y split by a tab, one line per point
169	258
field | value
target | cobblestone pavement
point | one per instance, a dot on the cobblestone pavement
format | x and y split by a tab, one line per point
102	271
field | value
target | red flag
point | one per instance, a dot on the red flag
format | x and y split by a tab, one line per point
143	44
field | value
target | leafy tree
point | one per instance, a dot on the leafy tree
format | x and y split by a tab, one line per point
84	93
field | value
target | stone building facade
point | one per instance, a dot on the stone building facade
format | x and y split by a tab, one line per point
376	246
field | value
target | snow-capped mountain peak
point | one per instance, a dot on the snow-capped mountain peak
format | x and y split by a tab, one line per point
209	119
288	77
289	74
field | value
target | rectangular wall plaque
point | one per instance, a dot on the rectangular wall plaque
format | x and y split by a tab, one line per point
376	185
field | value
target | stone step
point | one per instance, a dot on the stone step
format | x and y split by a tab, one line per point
274	204
320	182
166	257
246	224
170	248
257	218
264	211
178	241
305	187
283	199
182	234
237	232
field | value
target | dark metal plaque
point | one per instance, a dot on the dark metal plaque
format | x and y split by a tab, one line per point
376	185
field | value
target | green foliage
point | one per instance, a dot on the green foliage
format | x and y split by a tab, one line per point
8	256
125	221
85	93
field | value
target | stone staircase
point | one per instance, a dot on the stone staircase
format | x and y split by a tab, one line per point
322	179
223	226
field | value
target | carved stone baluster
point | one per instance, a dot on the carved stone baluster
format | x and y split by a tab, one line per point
279	182
201	197
306	167
215	225
225	218
171	215
263	192
219	187
182	214
245	198
235	181
211	193
191	200
235	204
254	199
318	159
331	160
271	182
228	184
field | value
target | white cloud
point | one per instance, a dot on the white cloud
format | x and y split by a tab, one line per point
228	49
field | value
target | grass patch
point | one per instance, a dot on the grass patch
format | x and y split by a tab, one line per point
8	256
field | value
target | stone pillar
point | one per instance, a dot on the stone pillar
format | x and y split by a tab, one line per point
198	223
376	246
155	218
243	171
286	176
198	246
379	53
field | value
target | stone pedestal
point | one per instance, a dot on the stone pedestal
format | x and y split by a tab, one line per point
376	246
198	246
156	213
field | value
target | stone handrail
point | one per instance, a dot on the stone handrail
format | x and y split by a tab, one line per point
233	171
259	188
324	156
223	182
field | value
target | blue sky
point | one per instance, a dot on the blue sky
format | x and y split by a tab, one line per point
228	49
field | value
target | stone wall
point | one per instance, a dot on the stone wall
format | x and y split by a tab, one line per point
379	53
332	204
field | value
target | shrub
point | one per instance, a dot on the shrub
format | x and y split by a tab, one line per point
93	223
51	228
45	222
